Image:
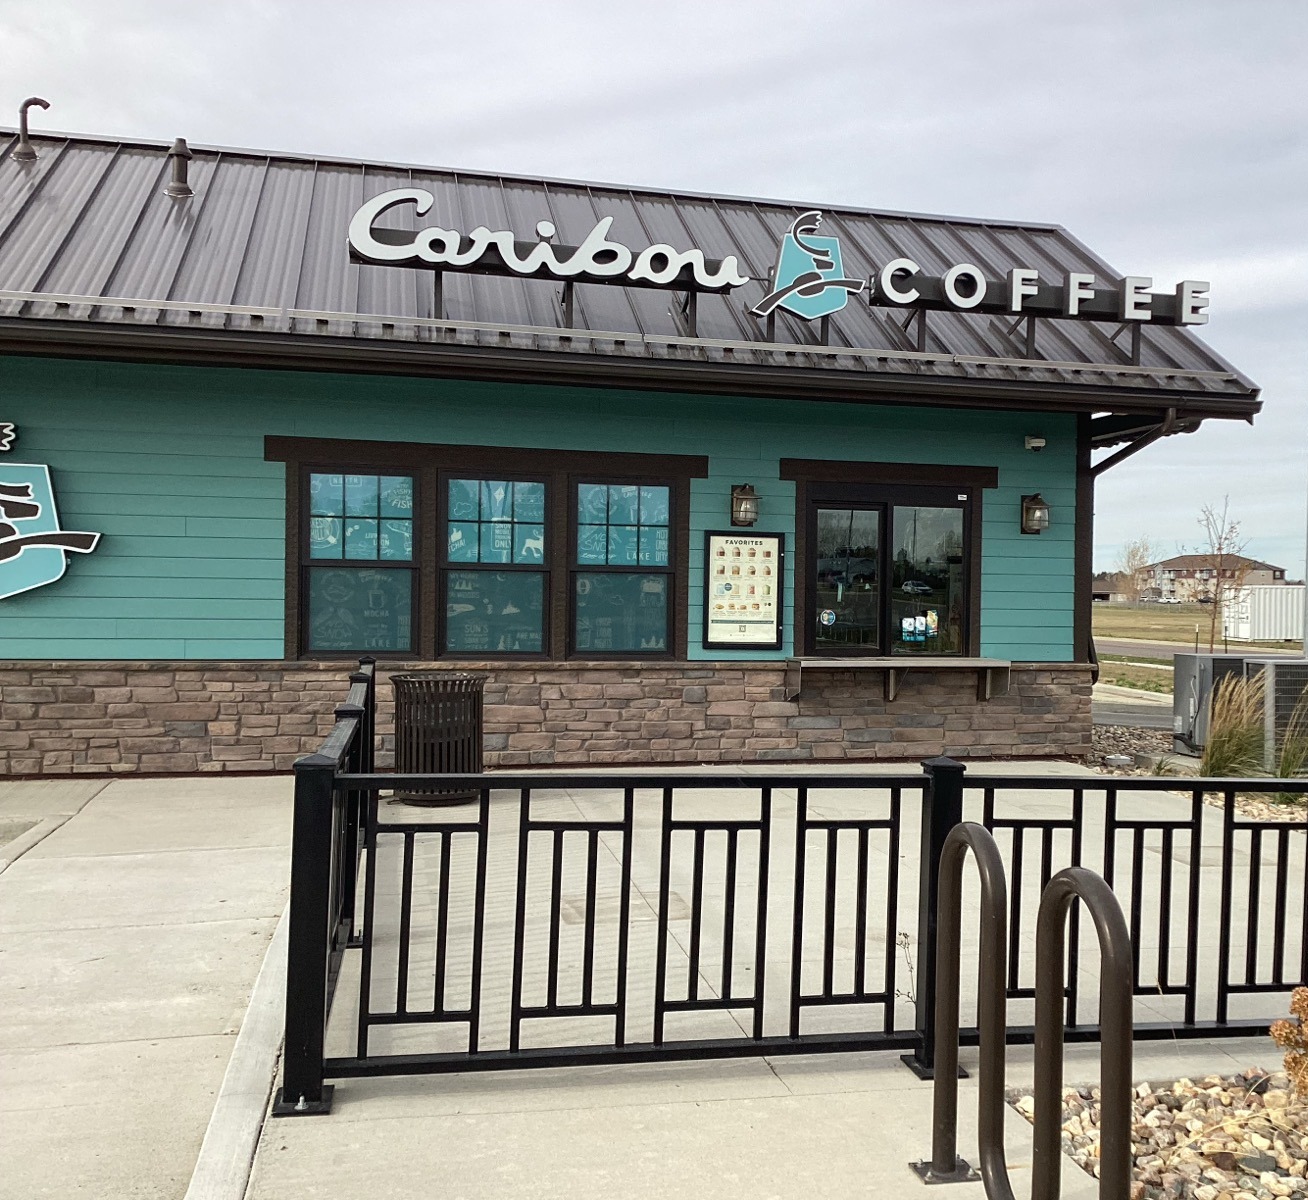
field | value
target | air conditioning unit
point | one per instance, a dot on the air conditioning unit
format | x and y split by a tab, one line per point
1285	700
1194	677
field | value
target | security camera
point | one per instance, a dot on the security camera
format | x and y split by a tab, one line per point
1035	443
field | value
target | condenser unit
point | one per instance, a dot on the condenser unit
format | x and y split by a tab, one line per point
1194	677
1285	700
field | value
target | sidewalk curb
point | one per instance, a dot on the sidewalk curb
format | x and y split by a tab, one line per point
222	1172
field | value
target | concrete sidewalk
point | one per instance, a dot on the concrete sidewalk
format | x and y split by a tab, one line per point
134	918
130	935
822	1126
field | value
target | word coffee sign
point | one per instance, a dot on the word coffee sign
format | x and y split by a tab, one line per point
810	281
598	259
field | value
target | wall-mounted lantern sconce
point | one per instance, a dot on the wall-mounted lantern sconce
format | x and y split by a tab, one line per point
744	504
1035	514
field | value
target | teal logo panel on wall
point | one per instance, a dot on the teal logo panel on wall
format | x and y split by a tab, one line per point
33	549
809	279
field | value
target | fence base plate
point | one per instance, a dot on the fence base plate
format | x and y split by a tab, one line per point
299	1107
962	1173
922	1071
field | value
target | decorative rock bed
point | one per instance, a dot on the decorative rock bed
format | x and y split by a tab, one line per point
1239	1137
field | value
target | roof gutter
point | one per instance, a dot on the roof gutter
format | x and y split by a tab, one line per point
1167	426
680	367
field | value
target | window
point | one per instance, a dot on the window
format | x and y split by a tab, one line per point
625	528
359	578
478	553
889	557
494	584
887	578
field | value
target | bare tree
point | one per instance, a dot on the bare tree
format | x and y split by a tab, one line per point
1132	566
1223	547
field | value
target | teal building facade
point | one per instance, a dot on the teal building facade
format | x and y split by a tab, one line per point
664	527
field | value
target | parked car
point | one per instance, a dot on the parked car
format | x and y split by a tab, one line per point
915	587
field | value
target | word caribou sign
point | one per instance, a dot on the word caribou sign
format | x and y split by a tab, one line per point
809	279
497	252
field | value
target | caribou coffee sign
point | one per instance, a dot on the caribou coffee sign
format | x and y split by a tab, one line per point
808	280
33	548
598	259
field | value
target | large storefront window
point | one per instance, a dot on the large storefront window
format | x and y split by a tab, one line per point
359	577
490	554
888	571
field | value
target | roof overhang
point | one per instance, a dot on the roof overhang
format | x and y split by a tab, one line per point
632	361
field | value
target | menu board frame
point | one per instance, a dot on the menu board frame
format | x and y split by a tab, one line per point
763	634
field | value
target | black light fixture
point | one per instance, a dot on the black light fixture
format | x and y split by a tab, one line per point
1035	514
744	504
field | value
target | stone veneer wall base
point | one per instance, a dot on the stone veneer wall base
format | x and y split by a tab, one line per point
86	718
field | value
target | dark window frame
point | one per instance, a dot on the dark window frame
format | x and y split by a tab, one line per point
676	568
305	563
430	464
823	479
885	500
444	565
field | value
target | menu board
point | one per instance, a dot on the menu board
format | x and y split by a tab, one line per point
743	575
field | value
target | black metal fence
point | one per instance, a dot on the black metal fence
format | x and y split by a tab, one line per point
604	917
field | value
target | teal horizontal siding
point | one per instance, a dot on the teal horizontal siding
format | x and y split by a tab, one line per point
167	464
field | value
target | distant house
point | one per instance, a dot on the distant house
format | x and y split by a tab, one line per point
1191	577
1109	587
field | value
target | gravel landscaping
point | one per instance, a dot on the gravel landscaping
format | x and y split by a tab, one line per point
1240	1137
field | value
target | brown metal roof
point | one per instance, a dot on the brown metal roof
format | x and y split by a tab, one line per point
94	258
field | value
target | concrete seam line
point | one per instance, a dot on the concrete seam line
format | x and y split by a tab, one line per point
42	830
222	1171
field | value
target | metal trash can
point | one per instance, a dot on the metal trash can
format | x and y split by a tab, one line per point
438	721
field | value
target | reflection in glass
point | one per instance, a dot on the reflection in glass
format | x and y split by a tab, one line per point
496	500
653	547
653	506
592	544
529	501
848	590
498	612
926	595
396	540
464	503
621	612
528	543
360	538
360	609
327	495
361	495
326	537
396	496
592	503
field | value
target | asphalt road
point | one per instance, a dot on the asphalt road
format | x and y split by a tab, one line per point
1166	649
1123	712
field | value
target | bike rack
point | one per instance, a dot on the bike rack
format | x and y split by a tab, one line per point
1115	996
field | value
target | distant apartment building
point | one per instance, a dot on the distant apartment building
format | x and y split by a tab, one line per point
1194	577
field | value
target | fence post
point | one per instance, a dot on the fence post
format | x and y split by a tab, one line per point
356	816
369	726
942	809
303	1091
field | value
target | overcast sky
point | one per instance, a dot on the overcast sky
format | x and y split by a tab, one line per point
1172	136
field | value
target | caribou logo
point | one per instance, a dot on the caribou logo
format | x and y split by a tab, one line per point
809	279
33	549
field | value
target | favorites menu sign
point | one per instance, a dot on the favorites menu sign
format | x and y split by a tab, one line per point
742	590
